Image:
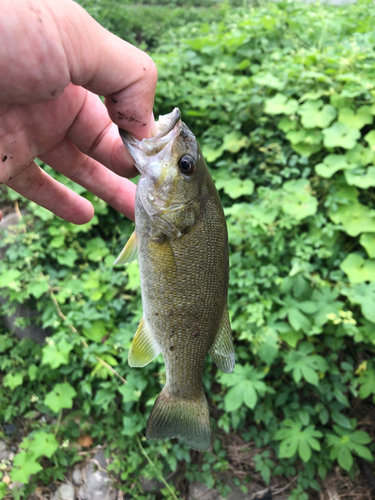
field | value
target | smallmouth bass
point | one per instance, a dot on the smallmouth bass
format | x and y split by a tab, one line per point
181	239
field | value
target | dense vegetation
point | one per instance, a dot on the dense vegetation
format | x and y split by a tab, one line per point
281	98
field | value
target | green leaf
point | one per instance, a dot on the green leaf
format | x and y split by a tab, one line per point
364	295
10	278
234	141
249	394
41	444
360	156
370	139
367	240
96	331
234	398
358	269
367	384
24	465
345	459
291	337
302	364
96	249
13	380
331	164
60	397
340	135
56	353
316	114
341	419
268	80
358	119
280	104
293	438
67	257
38	288
362	178
298	200
235	187
355	217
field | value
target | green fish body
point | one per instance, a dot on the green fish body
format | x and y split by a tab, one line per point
182	243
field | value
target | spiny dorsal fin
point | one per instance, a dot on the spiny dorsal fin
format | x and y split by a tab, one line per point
144	347
222	351
129	251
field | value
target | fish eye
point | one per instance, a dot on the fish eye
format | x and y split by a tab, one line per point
186	164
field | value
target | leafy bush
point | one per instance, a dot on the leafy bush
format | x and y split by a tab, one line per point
282	101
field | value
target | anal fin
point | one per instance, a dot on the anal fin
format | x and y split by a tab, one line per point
144	347
222	351
129	251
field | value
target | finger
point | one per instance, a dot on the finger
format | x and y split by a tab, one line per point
94	133
117	191
36	185
109	66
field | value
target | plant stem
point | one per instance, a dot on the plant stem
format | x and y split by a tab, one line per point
74	330
144	453
58	423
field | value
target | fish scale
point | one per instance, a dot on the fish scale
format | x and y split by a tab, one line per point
182	244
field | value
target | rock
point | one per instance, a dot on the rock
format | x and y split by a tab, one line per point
4	453
30	331
76	477
11	456
65	492
97	483
199	491
151	485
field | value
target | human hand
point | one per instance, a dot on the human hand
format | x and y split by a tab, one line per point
56	60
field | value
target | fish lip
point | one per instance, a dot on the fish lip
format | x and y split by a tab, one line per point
127	138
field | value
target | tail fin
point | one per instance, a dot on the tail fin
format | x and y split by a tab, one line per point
187	420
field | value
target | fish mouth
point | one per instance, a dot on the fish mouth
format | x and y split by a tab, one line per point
168	127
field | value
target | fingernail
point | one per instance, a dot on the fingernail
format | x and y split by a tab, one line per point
153	129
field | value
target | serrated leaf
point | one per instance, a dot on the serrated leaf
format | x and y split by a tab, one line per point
60	397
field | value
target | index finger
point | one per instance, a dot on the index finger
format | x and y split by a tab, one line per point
106	65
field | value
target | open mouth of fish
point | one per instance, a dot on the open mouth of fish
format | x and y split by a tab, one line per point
168	127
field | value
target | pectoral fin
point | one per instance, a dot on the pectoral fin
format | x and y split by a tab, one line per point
222	351
129	251
144	347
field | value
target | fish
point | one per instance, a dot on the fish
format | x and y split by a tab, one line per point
181	242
